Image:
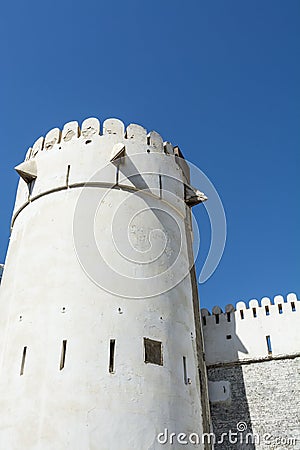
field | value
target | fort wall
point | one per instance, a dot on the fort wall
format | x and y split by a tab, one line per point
253	363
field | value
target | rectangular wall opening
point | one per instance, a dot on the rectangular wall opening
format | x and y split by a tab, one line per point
23	360
242	314
280	308
217	318
269	345
293	306
204	320
112	346
153	352
254	312
267	309
63	354
185	377
228	317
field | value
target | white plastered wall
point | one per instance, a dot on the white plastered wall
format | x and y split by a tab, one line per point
240	334
47	296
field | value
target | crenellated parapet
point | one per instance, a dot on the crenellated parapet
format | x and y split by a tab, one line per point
265	329
91	128
112	129
113	154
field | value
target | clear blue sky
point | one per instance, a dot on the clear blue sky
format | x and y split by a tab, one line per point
218	78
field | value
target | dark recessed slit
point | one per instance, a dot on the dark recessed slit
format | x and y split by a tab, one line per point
269	345
185	377
23	360
63	354
160	186
112	345
68	175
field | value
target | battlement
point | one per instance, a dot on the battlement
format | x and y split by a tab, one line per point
112	128
91	128
263	329
128	158
264	307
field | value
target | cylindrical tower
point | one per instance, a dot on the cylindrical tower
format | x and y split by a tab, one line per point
99	323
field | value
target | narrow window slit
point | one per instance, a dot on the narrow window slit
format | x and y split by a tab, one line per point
267	310
204	320
242	314
63	354
23	360
293	306
269	345
254	312
228	317
217	318
160	186
112	346
185	377
68	175
280	308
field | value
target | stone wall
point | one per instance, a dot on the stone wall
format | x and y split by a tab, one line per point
265	397
253	363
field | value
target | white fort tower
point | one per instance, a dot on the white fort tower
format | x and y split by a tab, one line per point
100	338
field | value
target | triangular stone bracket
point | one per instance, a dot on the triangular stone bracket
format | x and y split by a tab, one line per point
27	170
118	152
193	196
